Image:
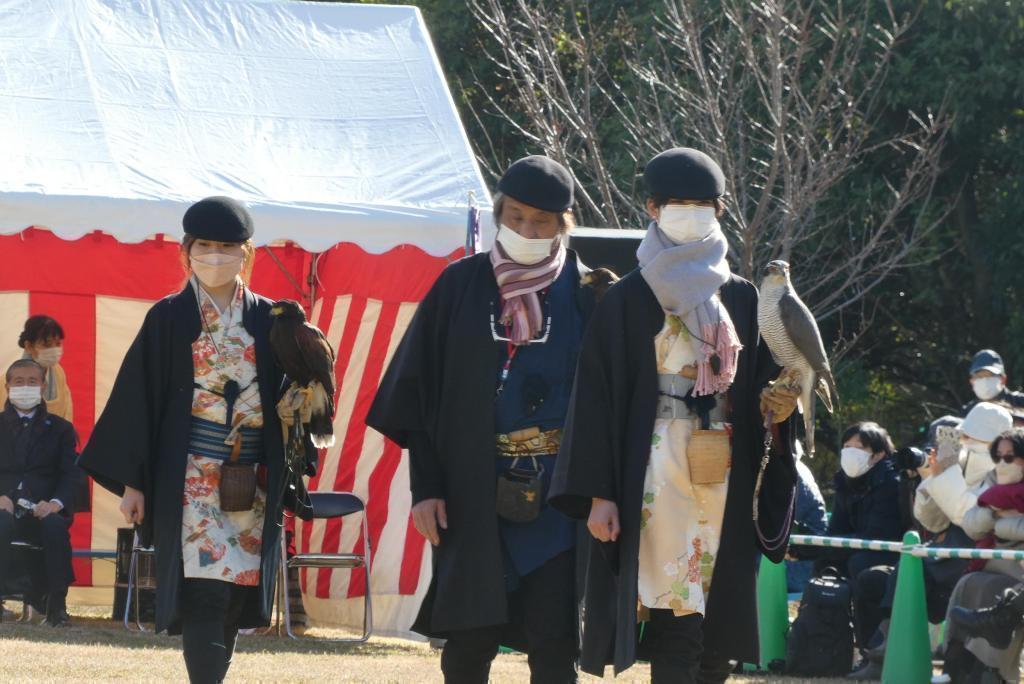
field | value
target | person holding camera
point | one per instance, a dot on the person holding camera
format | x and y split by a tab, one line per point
37	476
996	519
940	574
959	469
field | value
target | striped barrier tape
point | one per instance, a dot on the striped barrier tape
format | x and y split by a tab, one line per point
920	550
845	543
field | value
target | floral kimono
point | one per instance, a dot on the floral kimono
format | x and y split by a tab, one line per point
680	522
216	544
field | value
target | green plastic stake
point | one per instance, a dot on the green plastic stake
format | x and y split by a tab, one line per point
772	611
908	657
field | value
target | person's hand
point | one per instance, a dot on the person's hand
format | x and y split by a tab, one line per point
429	515
937	467
133	506
780	397
604	520
45	508
6	504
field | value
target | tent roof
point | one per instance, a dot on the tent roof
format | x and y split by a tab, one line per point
332	121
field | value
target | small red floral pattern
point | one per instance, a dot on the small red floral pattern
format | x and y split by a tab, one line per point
216	544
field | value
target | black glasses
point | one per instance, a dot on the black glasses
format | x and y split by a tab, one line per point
540	339
1007	458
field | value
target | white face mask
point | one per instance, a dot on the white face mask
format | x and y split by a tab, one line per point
987	388
976	462
1009	473
216	270
25	397
49	357
687	223
854	462
525	251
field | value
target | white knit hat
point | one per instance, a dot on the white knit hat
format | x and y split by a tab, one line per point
986	421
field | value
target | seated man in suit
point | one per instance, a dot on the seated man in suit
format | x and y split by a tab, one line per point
37	467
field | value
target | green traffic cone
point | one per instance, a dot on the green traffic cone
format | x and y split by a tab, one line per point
772	611
908	657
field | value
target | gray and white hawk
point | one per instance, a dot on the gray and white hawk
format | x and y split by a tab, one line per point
791	333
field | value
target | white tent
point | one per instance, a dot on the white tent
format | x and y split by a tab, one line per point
333	123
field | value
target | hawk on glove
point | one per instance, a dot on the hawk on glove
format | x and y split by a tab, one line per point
307	358
792	335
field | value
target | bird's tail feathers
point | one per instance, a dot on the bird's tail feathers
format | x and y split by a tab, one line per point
321	423
826	389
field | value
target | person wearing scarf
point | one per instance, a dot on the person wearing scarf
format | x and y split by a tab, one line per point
483	376
664	441
200	373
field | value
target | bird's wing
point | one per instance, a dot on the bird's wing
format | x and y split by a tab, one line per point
802	329
318	355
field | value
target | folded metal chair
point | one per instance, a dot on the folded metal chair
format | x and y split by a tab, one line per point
327	505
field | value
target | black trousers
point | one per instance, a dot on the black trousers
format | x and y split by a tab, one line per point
869	601
543	609
674	646
210	613
52	534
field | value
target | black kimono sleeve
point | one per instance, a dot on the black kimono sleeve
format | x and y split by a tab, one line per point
404	409
119	450
589	461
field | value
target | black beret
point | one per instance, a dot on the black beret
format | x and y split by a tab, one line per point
684	173
540	182
220	219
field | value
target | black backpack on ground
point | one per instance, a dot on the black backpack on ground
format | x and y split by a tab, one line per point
820	641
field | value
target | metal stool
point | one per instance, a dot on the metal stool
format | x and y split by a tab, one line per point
327	505
141	575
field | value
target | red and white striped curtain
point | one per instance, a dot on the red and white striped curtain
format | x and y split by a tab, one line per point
99	290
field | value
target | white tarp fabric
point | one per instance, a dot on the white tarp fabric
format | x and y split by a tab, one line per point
332	121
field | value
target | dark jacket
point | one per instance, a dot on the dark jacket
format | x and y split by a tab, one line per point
605	450
437	399
142	438
868	507
44	466
1012	401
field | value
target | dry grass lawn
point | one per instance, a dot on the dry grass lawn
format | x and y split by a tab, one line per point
95	649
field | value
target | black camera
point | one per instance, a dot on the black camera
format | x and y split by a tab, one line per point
910	458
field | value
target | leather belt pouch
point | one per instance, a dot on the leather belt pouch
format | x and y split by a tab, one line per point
709	456
519	494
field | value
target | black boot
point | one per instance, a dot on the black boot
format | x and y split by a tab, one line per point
994	624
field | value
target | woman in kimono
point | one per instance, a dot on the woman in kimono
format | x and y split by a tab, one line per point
199	375
664	443
477	392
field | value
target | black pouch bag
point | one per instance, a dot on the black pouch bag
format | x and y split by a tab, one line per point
520	492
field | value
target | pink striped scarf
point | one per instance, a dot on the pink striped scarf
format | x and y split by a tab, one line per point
519	286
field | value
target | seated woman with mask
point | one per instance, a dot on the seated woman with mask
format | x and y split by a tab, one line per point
866	506
42	338
995	520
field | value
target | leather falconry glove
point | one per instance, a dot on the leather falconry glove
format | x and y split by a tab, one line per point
780	397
